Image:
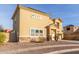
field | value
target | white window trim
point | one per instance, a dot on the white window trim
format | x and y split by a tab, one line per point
37	29
35	16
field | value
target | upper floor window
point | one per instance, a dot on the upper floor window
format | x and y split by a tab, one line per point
34	16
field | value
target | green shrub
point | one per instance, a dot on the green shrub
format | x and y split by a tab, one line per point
1	30
2	37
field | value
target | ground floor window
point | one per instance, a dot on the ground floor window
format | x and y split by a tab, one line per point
41	32
36	32
32	32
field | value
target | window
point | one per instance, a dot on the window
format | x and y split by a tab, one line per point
41	32
36	32
36	16
68	29
32	32
33	16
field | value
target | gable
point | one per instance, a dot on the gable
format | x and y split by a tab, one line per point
33	18
29	9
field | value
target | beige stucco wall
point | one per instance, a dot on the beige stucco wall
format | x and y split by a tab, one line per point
27	22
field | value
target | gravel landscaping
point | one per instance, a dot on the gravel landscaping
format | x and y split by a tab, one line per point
10	46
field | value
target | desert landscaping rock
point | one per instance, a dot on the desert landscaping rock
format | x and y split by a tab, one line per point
20	46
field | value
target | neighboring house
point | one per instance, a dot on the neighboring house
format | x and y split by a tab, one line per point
71	32
30	24
70	29
7	30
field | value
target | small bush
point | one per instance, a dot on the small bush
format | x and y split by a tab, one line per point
40	40
2	37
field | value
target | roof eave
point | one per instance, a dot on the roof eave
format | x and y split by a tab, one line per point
17	7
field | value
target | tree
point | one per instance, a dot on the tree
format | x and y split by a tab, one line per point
1	28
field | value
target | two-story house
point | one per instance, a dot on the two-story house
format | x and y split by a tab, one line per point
30	24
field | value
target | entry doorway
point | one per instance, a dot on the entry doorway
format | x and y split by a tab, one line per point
53	34
59	37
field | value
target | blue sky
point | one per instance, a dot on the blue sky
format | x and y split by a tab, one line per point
69	13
